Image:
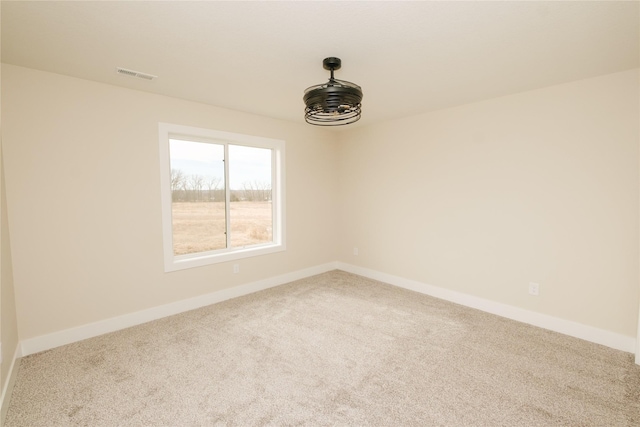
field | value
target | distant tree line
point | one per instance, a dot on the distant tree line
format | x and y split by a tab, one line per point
198	188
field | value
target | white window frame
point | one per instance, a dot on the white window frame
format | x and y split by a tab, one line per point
173	262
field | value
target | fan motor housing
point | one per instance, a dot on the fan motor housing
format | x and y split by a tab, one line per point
332	63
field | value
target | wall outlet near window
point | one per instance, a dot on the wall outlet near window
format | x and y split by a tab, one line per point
534	289
236	268
355	251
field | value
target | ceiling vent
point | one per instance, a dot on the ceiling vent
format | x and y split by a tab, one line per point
137	74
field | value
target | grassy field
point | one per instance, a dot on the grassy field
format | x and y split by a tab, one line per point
200	226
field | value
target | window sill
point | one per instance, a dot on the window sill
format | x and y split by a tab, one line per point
181	262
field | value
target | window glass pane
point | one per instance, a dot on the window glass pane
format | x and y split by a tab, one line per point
250	183
197	196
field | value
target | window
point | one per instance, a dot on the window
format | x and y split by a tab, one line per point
222	196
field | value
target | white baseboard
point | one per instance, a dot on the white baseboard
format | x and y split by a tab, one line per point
567	327
68	336
7	387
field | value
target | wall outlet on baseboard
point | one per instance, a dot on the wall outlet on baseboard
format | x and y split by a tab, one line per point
534	289
355	251
236	268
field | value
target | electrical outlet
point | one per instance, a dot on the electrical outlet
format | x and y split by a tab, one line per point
534	289
355	251
236	268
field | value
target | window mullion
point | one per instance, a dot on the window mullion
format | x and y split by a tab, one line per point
274	196
227	195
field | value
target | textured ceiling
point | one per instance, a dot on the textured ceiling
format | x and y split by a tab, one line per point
258	57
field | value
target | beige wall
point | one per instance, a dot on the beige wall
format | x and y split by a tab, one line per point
637	359
540	186
8	322
83	192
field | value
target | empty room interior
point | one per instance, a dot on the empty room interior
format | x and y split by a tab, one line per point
320	213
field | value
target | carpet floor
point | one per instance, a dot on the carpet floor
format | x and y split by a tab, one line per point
333	349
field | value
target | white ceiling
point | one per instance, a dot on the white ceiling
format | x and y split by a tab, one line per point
258	57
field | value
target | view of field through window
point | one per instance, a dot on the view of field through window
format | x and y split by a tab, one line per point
199	194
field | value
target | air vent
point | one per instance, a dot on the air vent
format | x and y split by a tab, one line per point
137	74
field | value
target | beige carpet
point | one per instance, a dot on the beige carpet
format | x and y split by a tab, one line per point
334	349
